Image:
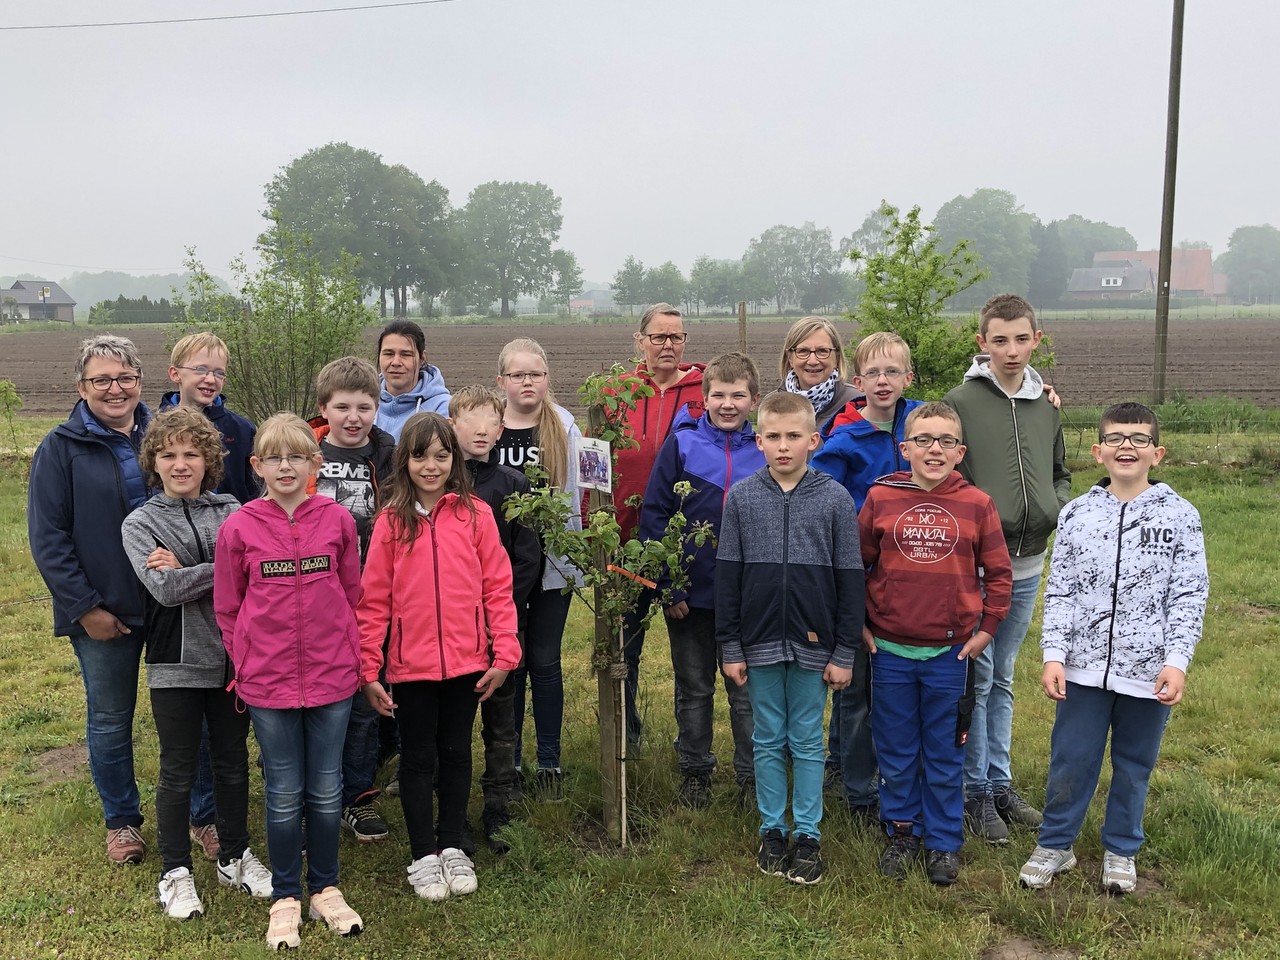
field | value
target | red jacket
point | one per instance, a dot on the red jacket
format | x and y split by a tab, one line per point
648	423
284	592
447	598
922	550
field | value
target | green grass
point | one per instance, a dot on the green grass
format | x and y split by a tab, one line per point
688	886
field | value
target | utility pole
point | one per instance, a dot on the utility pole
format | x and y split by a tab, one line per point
1166	216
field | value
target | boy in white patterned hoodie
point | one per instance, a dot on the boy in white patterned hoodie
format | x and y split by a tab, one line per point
1123	611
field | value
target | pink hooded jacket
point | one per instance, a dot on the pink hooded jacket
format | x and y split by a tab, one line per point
446	598
284	592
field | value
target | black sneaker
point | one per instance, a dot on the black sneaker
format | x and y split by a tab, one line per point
773	858
1015	811
548	784
364	822
806	861
943	867
903	850
747	795
865	815
494	819
983	822
695	791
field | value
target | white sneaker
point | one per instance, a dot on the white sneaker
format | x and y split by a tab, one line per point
426	876
247	874
1119	874
459	871
1045	863
178	895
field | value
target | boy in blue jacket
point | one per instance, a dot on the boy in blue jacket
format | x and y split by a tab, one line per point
863	445
712	452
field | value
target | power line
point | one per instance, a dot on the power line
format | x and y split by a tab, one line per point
236	16
85	266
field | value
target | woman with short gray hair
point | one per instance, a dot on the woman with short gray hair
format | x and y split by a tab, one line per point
85	479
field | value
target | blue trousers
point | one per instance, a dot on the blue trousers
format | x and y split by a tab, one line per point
851	741
302	767
914	709
543	635
986	760
359	750
1080	730
787	703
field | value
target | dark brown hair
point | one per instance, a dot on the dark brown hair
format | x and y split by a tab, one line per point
1006	306
420	431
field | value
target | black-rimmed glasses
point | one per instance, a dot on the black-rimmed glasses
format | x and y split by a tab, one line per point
1139	440
658	339
103	384
926	441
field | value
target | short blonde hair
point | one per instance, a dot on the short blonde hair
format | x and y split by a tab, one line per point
474	396
934	408
347	373
877	343
193	343
802	330
177	424
780	403
284	434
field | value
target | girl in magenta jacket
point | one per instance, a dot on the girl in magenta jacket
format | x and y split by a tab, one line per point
438	581
286	577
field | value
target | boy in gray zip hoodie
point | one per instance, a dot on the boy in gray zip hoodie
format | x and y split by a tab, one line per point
1123	611
1017	457
170	544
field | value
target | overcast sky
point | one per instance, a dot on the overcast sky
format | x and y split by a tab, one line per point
670	128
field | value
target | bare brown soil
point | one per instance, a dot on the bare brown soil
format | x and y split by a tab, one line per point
62	763
1098	361
1020	948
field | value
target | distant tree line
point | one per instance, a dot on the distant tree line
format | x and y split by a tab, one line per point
134	310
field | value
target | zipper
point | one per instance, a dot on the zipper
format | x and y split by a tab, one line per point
200	551
399	641
786	545
1022	477
728	471
1115	596
297	594
435	569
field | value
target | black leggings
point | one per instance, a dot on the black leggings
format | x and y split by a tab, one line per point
436	719
180	713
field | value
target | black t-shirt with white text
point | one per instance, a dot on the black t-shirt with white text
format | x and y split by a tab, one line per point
518	448
347	476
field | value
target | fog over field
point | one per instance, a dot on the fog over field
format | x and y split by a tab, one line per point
669	129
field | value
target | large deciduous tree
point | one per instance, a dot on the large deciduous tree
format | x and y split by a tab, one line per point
664	284
716	283
1082	238
998	231
1252	264
628	283
908	282
566	278
794	259
1050	272
511	229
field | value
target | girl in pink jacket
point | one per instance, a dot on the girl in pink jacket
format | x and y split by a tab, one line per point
437	582
286	577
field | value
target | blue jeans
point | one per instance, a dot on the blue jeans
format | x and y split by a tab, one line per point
543	633
787	702
853	745
915	709
1079	740
360	751
986	756
202	808
302	767
695	663
109	669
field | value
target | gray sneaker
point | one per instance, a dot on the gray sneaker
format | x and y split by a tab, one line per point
1119	874
1044	864
983	821
1015	811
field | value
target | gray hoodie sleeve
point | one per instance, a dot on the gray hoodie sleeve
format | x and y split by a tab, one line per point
171	588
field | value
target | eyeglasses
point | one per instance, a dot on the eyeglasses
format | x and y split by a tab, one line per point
890	373
103	384
294	460
926	441
1139	440
527	376
804	353
658	339
203	372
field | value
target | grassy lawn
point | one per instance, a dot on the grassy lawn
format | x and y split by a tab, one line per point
689	887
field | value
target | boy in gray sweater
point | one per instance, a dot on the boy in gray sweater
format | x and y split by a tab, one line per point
170	542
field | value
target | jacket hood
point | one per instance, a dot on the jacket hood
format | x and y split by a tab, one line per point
853	417
430	386
738	438
208	498
214	411
1032	382
690	373
902	478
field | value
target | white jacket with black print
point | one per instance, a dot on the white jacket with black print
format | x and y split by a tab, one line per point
1127	589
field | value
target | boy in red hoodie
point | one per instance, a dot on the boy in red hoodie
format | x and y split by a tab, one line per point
925	535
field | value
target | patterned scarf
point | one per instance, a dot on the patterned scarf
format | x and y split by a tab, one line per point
819	395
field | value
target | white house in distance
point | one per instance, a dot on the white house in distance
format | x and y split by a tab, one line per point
36	300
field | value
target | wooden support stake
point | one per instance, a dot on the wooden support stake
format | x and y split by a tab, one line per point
742	325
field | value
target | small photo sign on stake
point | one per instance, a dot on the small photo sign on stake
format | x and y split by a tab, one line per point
595	466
